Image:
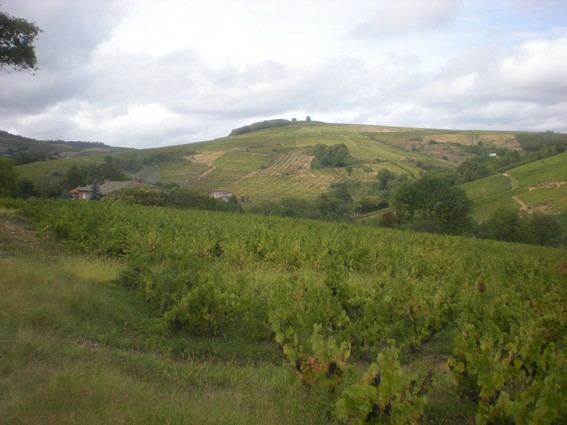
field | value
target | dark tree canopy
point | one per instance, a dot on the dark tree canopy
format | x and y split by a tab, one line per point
16	42
435	200
332	156
8	178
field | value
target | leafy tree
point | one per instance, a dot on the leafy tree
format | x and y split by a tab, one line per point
108	170
16	43
260	126
332	156
507	224
332	208
185	198
27	188
296	207
28	157
546	229
340	192
473	169
75	177
536	141
504	224
266	208
385	177
231	205
8	178
369	203
434	201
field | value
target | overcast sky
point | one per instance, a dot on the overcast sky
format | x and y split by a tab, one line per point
148	73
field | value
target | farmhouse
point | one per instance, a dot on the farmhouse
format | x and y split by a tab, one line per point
83	193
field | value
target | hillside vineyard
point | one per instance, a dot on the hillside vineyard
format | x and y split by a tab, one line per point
333	294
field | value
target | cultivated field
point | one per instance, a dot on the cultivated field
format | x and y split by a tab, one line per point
537	186
164	315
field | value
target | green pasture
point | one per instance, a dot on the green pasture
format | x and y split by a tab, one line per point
551	169
489	194
552	200
42	169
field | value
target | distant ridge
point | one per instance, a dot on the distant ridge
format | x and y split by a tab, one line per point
25	150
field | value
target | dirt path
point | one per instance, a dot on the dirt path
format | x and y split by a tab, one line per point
548	185
523	205
513	181
207	172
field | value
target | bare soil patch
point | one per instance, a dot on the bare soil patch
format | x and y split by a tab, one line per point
522	204
206	158
500	140
548	185
460	139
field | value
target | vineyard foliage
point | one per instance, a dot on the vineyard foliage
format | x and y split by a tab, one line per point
330	293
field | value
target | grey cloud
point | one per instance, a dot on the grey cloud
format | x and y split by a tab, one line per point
71	32
71	29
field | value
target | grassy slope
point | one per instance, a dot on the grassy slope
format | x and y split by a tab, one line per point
76	349
253	165
541	185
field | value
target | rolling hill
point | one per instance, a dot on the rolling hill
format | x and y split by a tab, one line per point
275	163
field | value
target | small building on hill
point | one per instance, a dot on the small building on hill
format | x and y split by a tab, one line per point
221	194
83	193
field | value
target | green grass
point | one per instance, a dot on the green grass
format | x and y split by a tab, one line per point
43	169
552	200
551	169
489	194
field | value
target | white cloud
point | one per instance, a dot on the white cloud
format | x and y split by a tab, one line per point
538	69
144	73
403	16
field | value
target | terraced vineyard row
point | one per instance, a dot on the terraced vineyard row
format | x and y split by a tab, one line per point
285	165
